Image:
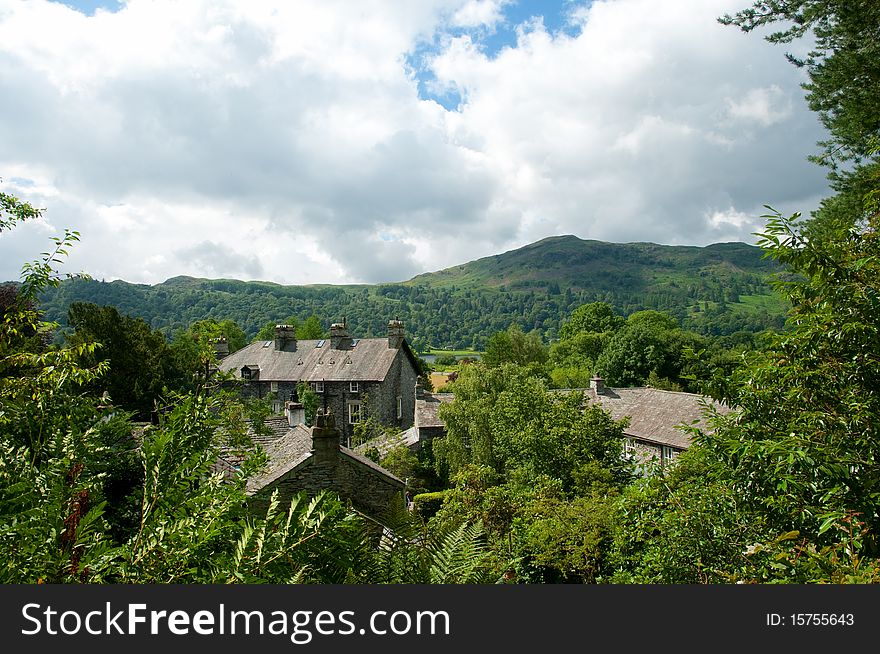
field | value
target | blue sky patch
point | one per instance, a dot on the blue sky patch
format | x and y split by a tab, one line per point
553	13
88	7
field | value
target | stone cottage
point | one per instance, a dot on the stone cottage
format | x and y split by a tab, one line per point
311	459
353	377
655	418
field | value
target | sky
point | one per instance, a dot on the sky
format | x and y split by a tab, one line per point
329	141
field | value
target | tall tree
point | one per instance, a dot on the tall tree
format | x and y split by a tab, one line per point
140	361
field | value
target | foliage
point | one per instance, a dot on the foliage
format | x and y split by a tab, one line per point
682	525
426	505
445	360
309	330
309	400
409	552
140	362
513	346
506	419
596	317
416	469
805	441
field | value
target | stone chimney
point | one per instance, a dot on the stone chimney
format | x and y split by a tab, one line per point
296	414
597	383
221	347
339	336
325	439
285	338
395	334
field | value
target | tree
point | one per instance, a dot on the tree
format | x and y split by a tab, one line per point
140	361
311	329
513	346
596	317
206	331
505	418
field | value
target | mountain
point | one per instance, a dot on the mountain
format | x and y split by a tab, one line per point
570	262
716	289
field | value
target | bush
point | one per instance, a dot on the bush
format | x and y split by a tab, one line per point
427	504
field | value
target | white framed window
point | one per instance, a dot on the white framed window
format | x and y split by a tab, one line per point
354	387
318	387
276	407
668	454
399	407
354	412
629	447
273	386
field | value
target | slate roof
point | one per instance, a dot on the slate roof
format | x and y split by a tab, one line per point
655	414
365	359
384	443
295	448
426	409
278	426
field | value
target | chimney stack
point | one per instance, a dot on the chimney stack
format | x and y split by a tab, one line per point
285	338
597	383
339	335
395	334
221	347
296	414
325	439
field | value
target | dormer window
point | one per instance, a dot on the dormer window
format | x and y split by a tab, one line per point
354	387
250	373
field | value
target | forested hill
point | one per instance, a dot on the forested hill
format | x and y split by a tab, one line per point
569	262
716	289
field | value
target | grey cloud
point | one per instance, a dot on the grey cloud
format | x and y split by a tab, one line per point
220	261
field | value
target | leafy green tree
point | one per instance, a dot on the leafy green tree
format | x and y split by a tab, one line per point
311	329
309	400
807	428
513	346
140	361
506	419
596	317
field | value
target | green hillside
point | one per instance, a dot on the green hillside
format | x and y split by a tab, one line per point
716	289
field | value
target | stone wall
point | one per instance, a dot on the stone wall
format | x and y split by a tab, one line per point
647	454
368	491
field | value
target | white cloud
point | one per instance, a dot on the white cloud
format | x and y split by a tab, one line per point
288	140
478	13
766	106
